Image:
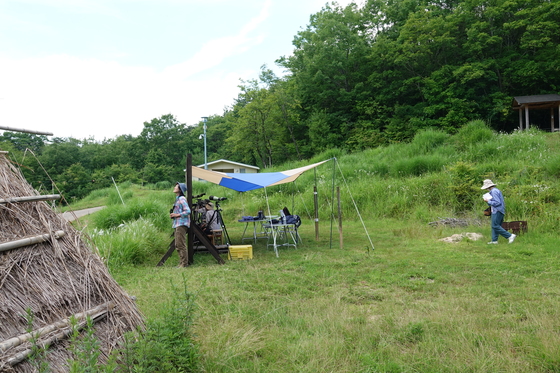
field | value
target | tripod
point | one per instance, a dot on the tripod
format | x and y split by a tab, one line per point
199	217
218	210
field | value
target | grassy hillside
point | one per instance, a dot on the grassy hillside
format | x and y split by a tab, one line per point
413	304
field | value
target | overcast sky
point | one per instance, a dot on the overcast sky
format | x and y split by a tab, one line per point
101	68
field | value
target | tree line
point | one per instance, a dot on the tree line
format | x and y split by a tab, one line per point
358	77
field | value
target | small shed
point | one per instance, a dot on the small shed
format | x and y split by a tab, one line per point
537	102
223	165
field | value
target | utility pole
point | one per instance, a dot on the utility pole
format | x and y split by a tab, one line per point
205	159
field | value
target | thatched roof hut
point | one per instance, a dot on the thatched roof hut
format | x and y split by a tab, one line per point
46	267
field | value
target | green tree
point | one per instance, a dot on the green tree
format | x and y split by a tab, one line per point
330	68
75	181
165	135
23	141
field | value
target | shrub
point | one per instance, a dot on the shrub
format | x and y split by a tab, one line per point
114	215
167	345
464	181
552	166
473	133
416	166
162	185
427	140
131	244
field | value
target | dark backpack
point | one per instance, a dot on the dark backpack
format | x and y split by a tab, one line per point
293	219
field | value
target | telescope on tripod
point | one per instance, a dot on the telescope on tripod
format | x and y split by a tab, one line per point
200	216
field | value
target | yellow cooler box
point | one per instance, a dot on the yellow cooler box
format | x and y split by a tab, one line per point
240	252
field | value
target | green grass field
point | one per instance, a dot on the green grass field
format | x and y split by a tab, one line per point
414	304
411	304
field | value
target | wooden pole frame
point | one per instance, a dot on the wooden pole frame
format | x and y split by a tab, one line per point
29	241
48	197
11	129
16	341
62	326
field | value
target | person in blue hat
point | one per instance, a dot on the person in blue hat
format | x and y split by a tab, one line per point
181	215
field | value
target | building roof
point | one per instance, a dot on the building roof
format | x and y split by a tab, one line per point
536	101
230	162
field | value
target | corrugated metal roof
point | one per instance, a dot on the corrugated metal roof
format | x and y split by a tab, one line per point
539	100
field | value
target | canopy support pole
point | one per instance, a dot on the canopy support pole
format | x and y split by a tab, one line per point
332	203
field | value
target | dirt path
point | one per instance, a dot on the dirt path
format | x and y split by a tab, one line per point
73	215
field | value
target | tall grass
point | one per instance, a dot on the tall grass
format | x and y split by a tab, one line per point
132	243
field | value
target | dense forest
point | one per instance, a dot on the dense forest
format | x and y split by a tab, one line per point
359	77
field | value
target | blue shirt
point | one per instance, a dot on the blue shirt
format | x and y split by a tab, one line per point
497	202
181	207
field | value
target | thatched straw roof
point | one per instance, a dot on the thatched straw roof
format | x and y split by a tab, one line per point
56	279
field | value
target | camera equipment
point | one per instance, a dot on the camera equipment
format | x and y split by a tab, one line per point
199	214
200	195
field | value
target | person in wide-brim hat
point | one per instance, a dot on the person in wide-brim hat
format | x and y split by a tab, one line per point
495	200
180	213
487	184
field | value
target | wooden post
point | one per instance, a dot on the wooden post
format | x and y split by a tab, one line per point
526	117
339	218
190	232
316	204
551	119
521	118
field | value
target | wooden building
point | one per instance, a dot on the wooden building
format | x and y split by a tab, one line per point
549	102
223	165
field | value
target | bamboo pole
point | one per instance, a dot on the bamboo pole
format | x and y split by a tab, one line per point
29	241
24	130
340	236
16	341
19	357
316	206
48	197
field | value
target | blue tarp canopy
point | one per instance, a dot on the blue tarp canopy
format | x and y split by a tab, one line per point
246	182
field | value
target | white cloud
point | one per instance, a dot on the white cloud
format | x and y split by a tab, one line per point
79	98
214	52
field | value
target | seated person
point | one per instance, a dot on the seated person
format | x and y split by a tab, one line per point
212	221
